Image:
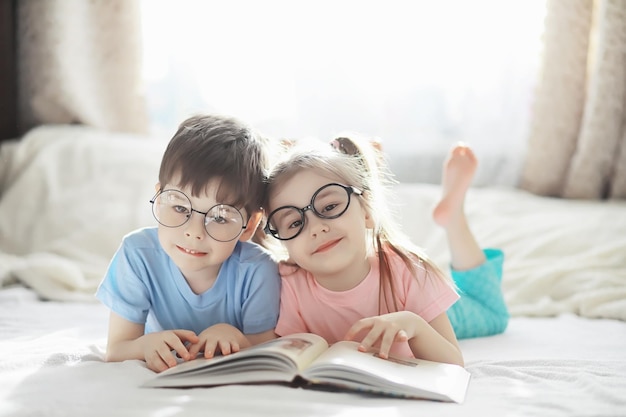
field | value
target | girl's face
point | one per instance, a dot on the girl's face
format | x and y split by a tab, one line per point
333	250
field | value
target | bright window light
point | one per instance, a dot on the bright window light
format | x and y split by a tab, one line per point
418	74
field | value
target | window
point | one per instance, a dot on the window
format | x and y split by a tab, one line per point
418	74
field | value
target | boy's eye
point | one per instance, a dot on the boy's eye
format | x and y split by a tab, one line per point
218	219
181	209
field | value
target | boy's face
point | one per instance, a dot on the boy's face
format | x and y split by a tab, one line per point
190	247
327	248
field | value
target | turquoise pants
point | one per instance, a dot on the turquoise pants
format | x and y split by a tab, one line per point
481	310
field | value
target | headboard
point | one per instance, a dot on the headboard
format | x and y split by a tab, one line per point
8	70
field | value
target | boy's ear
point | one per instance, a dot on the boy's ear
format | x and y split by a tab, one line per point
253	223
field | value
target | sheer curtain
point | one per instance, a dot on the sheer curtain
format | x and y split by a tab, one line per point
419	75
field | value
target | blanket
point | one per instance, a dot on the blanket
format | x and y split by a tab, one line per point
68	195
51	364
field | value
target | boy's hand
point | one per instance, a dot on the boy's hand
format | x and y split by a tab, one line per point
157	348
287	267
385	330
222	338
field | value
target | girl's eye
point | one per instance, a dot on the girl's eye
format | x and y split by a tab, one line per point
328	209
296	225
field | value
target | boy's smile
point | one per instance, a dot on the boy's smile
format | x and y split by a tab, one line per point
191	251
195	253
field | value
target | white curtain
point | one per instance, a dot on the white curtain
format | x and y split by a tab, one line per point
417	74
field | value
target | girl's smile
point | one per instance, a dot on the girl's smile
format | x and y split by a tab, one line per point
327	246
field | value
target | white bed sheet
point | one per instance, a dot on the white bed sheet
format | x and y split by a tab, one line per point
563	354
51	365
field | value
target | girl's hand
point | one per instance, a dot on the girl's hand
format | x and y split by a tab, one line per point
222	338
157	348
384	330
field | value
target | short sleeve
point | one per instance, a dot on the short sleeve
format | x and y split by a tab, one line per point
261	306
429	294
122	289
290	320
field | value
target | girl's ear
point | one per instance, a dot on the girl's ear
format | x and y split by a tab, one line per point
157	187
369	219
253	223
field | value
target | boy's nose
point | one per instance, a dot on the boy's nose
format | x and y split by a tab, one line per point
195	226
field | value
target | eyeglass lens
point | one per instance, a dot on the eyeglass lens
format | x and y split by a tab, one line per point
328	202
222	222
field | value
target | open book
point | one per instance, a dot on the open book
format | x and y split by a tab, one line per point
306	360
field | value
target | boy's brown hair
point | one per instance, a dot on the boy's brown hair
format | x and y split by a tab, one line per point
216	147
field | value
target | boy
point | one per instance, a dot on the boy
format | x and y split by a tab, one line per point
194	283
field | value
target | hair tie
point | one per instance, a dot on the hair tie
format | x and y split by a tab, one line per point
345	146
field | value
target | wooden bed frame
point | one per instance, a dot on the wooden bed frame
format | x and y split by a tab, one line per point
8	70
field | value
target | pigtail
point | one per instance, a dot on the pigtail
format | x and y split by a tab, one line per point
375	177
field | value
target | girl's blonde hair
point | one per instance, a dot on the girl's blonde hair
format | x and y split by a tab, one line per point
357	162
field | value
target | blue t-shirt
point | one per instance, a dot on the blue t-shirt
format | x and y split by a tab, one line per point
144	286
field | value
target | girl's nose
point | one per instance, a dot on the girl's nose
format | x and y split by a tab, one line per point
316	224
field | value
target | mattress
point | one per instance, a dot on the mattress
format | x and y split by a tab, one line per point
563	353
51	364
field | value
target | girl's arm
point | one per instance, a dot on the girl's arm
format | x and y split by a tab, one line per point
126	340
434	341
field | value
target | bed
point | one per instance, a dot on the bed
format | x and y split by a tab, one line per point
69	193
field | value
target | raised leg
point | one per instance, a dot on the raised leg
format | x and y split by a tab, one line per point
458	173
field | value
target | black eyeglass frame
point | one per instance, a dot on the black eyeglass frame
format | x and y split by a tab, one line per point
244	222
349	190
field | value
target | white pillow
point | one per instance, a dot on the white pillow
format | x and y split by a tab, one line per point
69	195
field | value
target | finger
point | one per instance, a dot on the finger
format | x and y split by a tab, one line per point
224	347
370	338
286	268
401	336
194	349
157	365
155	362
186	335
209	349
181	350
166	355
386	342
357	328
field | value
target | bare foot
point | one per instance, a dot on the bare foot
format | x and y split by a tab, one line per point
458	173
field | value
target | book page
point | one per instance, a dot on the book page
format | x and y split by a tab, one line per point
343	365
287	355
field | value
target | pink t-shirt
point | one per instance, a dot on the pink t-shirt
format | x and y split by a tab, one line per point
306	306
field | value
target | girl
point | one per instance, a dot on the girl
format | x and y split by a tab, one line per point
358	277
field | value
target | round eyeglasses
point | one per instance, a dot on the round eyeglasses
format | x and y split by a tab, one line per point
172	208
328	202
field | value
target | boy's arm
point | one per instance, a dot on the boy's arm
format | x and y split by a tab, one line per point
126	340
257	338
